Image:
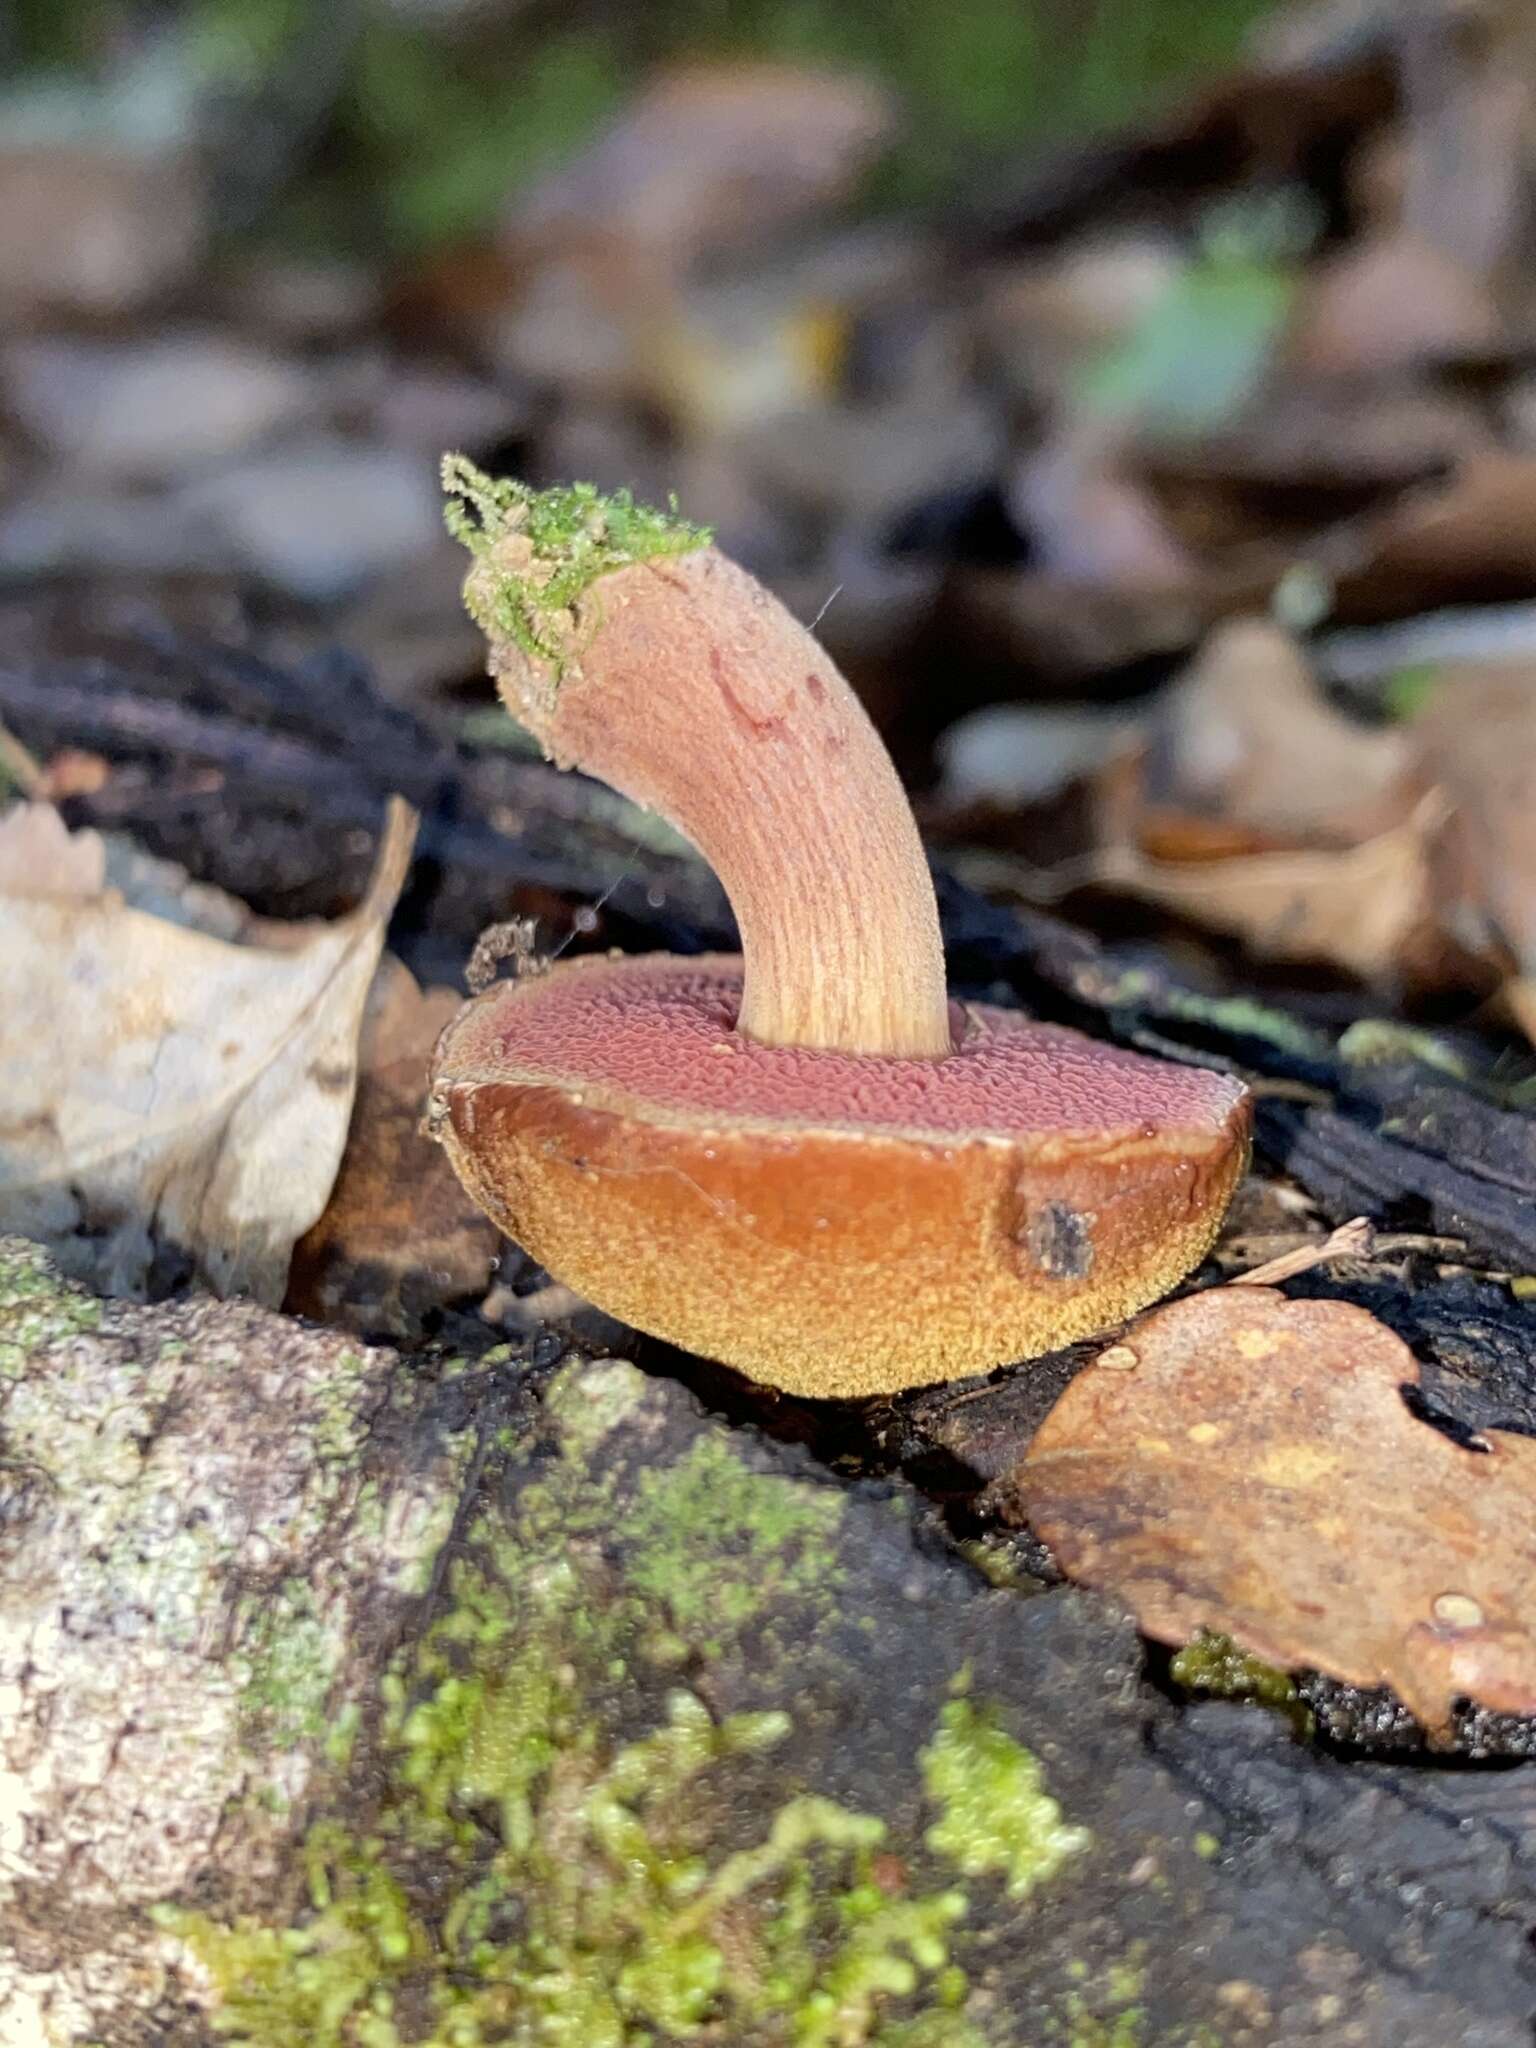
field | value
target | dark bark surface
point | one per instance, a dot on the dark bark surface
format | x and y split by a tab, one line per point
345	1690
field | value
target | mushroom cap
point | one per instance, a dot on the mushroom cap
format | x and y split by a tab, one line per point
827	1222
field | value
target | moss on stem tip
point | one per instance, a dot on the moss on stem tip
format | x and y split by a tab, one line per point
535	552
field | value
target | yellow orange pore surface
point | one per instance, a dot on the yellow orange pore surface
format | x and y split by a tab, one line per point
827	1222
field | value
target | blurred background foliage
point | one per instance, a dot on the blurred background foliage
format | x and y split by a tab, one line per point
405	115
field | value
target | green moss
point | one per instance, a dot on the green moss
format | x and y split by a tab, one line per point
1378	1040
537	551
1085	2029
1216	1666
720	1544
996	1559
997	1817
1109	2011
1239	1015
575	1890
559	1851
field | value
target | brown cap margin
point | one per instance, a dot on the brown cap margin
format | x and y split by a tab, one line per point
834	1262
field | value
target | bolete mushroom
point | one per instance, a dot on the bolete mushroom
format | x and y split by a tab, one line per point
806	1162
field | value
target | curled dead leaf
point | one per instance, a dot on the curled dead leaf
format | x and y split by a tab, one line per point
1362	907
399	1236
1246	738
169	1097
1246	1464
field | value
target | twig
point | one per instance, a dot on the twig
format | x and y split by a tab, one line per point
1352	1240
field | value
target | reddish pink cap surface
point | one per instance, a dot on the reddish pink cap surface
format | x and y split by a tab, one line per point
659	1033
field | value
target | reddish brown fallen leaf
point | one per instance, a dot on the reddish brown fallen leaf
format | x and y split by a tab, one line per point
1256	809
1246	1464
399	1236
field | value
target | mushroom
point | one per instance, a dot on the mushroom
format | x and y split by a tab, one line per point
805	1162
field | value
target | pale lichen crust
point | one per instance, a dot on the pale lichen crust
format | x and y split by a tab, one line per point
537	551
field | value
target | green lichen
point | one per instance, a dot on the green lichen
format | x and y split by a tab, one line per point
1215	1665
997	1817
290	1655
588	1404
337	1430
36	1306
536	552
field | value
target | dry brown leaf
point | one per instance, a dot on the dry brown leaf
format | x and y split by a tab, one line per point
1247	1464
1091	522
94	230
1477	742
1256	809
1388	304
1246	736
170	1097
399	1236
1362	908
710	156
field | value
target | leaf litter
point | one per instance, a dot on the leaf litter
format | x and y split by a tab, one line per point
1248	1465
175	1105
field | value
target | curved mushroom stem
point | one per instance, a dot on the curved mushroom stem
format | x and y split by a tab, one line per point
677	679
